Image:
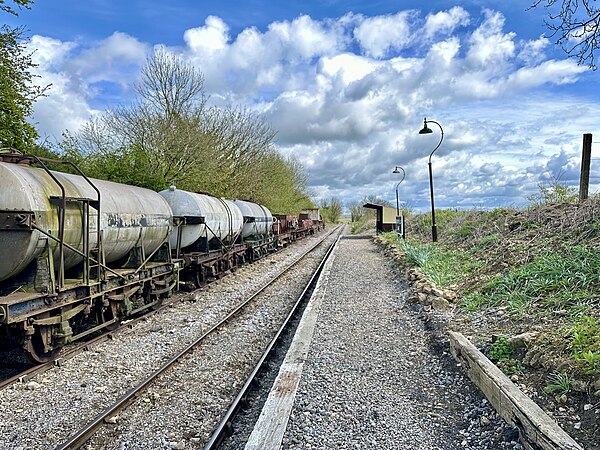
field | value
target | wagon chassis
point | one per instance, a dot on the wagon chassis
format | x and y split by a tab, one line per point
45	309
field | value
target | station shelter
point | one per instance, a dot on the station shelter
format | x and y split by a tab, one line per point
386	218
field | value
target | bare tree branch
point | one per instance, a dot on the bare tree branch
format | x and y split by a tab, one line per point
574	26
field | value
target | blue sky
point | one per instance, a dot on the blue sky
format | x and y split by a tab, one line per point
346	85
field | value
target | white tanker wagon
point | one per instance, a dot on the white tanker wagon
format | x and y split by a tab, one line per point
79	254
71	246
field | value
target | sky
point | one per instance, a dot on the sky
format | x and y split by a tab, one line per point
347	85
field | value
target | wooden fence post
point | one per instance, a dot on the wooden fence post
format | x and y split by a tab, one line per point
586	155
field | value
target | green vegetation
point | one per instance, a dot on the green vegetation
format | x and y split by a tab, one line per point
558	383
521	270
501	353
331	209
17	89
554	192
501	349
442	265
584	345
563	282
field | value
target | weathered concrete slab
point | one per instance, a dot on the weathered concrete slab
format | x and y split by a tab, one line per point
537	429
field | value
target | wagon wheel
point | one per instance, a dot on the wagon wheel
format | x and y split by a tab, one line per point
36	348
155	306
200	277
106	314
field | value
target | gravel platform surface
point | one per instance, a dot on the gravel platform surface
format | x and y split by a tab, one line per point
378	375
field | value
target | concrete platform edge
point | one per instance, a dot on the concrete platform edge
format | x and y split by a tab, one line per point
272	422
537	429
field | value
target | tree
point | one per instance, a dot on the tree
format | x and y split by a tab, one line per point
168	136
575	26
356	210
331	209
157	141
20	4
17	90
243	142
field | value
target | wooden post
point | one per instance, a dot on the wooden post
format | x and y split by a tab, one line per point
586	154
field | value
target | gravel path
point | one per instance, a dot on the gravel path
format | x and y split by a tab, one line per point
377	377
42	413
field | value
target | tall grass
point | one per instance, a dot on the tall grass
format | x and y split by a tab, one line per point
565	282
441	265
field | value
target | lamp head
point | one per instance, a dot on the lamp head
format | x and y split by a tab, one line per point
426	129
396	170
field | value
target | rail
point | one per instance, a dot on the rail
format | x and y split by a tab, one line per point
78	439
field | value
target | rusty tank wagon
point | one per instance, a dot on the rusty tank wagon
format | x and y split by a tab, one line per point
79	255
76	247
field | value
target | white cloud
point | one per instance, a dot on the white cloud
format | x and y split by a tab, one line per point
347	97
489	46
382	34
48	52
347	66
210	38
533	51
445	22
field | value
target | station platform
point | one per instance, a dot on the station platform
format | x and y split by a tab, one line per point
361	372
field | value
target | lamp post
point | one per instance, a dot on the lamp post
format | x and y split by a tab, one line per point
398	184
427	130
397	202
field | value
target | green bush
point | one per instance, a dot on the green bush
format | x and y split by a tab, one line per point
500	349
584	344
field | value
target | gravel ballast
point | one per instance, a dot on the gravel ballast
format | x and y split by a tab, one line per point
377	375
41	413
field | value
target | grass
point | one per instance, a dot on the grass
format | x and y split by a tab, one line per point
558	383
563	283
441	265
534	266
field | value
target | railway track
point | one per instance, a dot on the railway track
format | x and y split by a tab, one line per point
11	372
279	342
230	323
31	369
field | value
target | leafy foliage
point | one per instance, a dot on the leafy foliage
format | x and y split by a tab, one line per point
500	349
331	209
501	353
585	343
17	90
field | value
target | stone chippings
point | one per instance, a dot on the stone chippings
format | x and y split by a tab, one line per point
181	410
378	375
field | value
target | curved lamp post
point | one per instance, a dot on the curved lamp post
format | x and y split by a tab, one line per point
397	202
398	184
427	130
